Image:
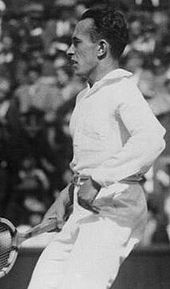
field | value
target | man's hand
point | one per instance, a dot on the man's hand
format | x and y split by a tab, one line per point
87	193
60	209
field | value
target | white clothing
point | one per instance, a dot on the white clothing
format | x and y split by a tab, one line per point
115	136
89	250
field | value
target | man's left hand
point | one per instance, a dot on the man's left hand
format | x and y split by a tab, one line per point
87	193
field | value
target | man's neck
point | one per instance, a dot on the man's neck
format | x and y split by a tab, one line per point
101	71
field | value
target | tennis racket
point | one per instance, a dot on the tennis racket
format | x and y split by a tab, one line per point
11	239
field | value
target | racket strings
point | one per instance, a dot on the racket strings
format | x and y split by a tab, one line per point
5	246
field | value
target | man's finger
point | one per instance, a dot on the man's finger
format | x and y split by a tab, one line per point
59	224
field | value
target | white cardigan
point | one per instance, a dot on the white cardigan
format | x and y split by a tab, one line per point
115	134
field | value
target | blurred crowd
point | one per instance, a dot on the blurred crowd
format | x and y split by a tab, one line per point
37	95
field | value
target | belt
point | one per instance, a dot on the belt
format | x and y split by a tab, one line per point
139	179
78	179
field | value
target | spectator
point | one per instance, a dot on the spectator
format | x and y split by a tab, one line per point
68	85
33	165
38	95
4	107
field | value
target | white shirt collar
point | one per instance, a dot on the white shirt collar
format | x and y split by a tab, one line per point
112	75
117	73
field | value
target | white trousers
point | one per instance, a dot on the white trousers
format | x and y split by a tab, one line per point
89	250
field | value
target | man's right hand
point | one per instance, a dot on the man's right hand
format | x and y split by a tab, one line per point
61	208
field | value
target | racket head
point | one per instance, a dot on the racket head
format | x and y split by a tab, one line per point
8	247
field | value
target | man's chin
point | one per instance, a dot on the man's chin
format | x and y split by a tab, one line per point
77	72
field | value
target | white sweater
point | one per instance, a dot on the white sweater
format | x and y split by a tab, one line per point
115	134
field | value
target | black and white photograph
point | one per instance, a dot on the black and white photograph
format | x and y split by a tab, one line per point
84	144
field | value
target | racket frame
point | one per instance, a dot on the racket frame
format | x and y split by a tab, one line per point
14	252
18	238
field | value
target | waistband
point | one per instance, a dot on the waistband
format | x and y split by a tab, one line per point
135	179
78	179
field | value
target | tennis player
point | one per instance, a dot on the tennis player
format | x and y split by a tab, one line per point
116	139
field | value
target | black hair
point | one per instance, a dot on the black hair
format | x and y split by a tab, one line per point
111	25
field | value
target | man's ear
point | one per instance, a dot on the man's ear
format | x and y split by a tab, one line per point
102	48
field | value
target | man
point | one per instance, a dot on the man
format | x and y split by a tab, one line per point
116	138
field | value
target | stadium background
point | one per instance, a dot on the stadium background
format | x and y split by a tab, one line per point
37	95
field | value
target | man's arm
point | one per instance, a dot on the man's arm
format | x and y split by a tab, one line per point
87	193
60	208
144	145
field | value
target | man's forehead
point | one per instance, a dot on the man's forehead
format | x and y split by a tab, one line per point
83	27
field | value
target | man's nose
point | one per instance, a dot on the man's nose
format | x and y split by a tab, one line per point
70	50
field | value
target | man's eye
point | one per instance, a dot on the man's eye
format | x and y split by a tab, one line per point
76	42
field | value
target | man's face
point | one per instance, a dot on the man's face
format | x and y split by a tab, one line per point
83	51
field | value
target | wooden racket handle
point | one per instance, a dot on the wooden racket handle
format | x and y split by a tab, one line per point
40	228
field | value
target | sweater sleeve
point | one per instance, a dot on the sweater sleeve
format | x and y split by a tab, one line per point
145	144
